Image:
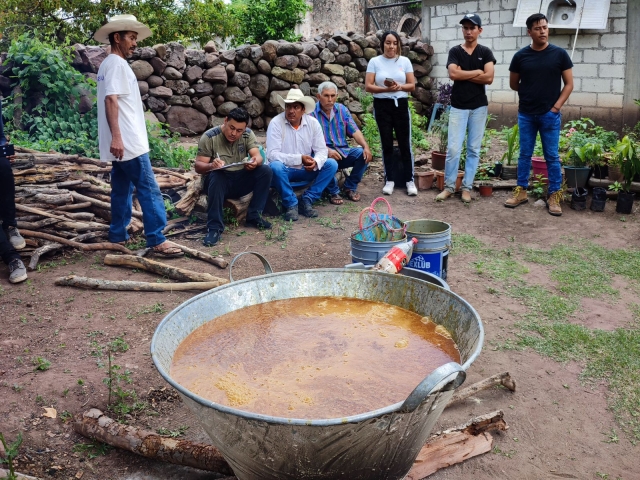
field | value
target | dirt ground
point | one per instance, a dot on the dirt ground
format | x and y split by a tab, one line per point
557	427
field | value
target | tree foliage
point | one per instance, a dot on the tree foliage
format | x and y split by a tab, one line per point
262	20
74	21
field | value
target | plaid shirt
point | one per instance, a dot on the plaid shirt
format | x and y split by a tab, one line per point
337	127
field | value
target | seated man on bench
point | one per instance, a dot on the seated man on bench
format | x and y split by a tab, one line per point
219	147
297	153
337	123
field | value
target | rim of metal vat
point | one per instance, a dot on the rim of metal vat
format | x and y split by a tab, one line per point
444	372
407	272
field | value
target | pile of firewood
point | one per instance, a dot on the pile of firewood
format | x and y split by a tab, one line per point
64	200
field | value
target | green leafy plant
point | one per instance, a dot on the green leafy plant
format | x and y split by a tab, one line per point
577	134
268	19
92	450
369	125
627	155
121	401
164	149
48	107
615	187
418	128
539	186
589	154
440	127
11	452
484	173
41	364
512	137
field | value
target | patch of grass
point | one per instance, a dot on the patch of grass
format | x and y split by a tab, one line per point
41	364
543	304
92	450
173	433
465	243
155	308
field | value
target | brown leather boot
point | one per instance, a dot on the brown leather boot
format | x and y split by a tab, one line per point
443	195
519	197
553	204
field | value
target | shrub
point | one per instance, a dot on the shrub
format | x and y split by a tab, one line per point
262	20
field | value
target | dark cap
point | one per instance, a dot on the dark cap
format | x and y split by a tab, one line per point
473	18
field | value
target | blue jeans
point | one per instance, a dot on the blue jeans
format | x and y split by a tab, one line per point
354	159
284	176
548	125
124	177
469	123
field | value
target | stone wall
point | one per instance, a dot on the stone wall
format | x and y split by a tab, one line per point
193	90
599	58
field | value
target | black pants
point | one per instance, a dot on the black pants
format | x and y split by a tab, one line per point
392	119
7	195
222	184
7	252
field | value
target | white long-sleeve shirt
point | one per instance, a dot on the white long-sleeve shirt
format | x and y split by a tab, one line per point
287	145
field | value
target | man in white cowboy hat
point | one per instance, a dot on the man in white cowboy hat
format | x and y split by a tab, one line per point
123	138
297	153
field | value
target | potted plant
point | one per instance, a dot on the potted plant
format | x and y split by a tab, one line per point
628	156
512	136
578	172
483	177
440	127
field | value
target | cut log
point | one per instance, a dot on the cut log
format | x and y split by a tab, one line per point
75	206
80	246
60	199
38	252
456	445
37	225
126	285
175	273
217	261
166	171
190	198
503	379
94	424
239	206
83	198
87	216
89	236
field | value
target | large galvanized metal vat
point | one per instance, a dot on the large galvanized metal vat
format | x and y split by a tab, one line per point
377	445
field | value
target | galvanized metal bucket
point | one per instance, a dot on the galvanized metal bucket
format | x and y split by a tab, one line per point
431	253
377	445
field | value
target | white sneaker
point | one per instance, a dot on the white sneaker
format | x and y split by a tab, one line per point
412	191
388	188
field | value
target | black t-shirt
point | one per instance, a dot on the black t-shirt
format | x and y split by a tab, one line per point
540	77
465	94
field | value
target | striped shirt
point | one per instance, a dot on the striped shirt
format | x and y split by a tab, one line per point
337	127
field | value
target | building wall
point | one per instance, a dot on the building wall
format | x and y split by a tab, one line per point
599	58
329	16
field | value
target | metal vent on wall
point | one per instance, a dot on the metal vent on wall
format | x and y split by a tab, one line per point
565	13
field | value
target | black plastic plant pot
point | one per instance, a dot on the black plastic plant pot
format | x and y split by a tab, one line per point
598	199
497	170
625	202
577	177
600	171
579	199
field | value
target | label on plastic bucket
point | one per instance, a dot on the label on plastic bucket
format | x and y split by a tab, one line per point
434	263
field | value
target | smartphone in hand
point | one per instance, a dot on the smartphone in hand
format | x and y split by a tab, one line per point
389	82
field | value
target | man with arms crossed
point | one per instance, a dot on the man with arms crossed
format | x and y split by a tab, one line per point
536	72
337	123
123	138
232	143
471	67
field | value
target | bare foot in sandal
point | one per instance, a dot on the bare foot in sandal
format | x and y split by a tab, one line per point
167	249
351	195
336	199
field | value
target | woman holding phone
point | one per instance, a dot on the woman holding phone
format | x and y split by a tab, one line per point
390	78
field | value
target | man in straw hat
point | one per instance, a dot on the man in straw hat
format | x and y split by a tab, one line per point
123	138
297	153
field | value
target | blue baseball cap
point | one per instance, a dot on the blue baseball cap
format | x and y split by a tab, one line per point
473	18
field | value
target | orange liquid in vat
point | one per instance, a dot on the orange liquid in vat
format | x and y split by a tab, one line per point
313	357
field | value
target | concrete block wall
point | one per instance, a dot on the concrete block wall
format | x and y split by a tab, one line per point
599	58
